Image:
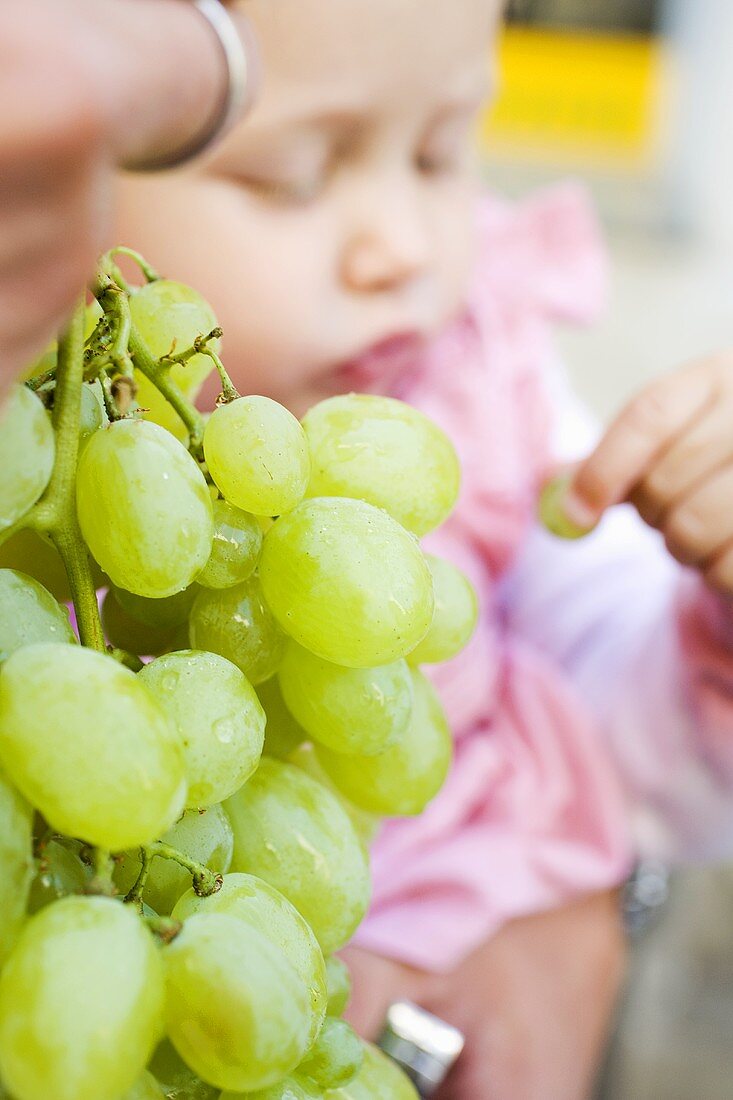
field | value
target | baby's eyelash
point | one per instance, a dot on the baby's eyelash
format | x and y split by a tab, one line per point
435	165
285	191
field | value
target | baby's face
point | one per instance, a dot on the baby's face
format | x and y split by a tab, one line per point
333	229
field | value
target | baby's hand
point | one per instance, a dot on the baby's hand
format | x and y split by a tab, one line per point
670	454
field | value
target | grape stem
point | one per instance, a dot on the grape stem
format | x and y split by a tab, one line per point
55	512
120	310
101	882
159	374
57	509
39	381
205	881
110	404
197	347
200	346
129	660
110	289
107	291
135	894
149	272
165	928
229	391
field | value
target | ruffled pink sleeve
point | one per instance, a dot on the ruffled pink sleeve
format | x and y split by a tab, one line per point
533	813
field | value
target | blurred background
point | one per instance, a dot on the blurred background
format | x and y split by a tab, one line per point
636	97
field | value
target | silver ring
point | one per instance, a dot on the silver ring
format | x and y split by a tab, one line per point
423	1045
238	76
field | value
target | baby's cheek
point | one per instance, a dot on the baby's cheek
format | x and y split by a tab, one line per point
456	246
262	280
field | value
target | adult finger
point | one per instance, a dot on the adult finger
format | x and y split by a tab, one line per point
173	93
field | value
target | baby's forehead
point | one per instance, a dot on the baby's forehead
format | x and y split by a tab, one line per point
356	53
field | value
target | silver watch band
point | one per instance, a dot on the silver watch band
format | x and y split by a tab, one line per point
238	76
425	1046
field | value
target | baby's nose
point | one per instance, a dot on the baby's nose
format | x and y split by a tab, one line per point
386	250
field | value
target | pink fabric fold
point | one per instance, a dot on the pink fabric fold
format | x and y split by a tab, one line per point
529	817
706	636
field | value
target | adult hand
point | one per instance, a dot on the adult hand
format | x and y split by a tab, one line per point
534	1002
86	86
670	454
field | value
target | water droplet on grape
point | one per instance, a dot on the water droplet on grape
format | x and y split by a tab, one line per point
224	730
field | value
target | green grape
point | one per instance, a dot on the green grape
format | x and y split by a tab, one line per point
30	553
60	872
237	624
27	450
456	614
257	454
404	778
145	1088
350	710
293	833
264	908
179	639
81	1002
28	614
339	985
218	718
235	550
169	316
290	1088
385	452
347	582
379	1079
282	733
203	836
92	415
177	1080
550	510
236	1012
366	825
16	863
124	632
144	509
86	743
168	613
336	1056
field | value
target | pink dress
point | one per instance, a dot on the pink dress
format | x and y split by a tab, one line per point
593	708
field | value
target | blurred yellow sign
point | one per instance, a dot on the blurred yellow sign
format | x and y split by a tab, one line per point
577	98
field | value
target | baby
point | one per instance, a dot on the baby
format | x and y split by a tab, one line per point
342	237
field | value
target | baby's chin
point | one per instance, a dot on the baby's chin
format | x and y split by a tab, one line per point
298	392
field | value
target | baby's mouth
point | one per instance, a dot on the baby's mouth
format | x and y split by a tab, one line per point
381	363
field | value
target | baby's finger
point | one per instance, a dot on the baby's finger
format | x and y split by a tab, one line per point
719	571
706	446
645	429
700	525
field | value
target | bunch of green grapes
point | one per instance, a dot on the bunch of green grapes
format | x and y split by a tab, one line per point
210	695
